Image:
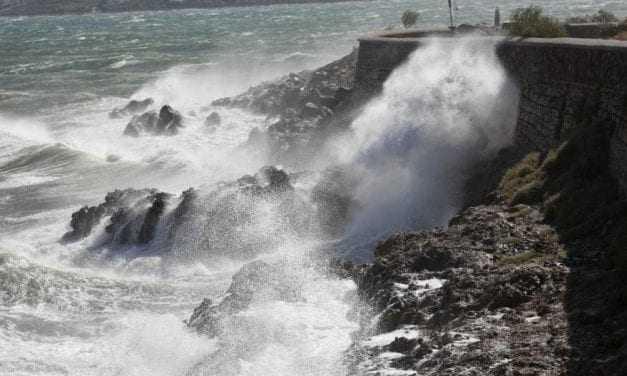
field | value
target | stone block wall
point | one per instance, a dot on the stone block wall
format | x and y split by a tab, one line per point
562	82
377	58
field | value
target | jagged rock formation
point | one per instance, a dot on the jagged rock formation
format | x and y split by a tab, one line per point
255	278
213	120
217	222
303	109
133	107
167	122
37	7
484	297
86	218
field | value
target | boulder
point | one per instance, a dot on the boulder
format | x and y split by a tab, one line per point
83	221
169	121
133	107
274	179
145	122
137	222
86	218
257	278
213	120
166	122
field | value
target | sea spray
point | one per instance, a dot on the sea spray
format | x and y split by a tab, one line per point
412	147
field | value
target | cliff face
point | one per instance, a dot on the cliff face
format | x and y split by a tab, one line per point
57	7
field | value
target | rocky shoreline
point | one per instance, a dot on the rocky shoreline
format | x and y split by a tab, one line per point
526	280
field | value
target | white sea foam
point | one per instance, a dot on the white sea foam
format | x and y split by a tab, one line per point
413	146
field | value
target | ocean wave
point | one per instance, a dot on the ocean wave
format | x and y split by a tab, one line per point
40	157
295	56
123	63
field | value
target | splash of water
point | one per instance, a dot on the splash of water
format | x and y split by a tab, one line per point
446	108
411	149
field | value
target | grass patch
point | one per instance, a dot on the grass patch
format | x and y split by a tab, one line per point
575	189
521	174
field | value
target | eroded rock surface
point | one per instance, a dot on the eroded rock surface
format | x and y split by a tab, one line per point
484	297
166	122
133	107
303	109
257	279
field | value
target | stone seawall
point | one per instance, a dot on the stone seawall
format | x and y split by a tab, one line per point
563	82
567	82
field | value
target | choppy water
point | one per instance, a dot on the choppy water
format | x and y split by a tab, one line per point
68	310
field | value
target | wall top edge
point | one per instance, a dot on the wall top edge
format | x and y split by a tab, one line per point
421	36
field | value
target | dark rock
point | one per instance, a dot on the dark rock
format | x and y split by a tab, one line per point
274	179
257	277
213	120
143	123
151	219
133	107
112	158
300	106
490	300
86	218
333	197
167	122
83	221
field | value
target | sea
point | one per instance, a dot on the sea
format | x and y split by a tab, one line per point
85	309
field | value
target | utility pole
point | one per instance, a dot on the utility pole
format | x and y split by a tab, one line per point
450	10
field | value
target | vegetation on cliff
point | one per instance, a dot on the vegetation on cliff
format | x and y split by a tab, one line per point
575	189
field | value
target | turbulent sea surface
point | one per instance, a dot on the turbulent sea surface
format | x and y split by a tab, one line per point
75	309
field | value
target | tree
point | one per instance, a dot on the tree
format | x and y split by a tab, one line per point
530	22
409	18
604	16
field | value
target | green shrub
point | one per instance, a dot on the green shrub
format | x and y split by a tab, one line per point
604	16
521	174
409	18
530	22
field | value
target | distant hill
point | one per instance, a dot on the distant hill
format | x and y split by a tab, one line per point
52	7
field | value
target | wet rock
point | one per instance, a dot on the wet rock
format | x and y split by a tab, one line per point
151	219
274	179
333	195
136	223
112	158
133	107
166	122
213	120
253	279
169	121
143	123
83	221
300	107
476	304
86	218
210	225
